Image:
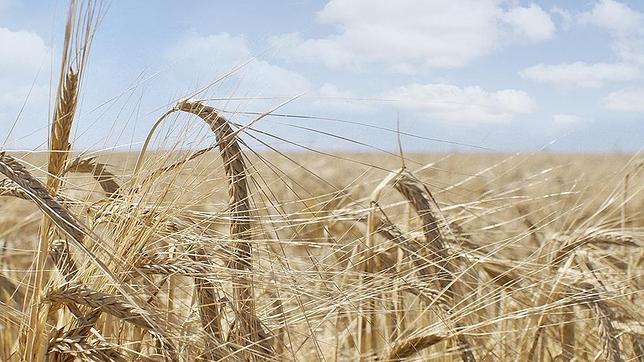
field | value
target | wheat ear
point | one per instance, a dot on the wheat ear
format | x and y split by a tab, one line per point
8	188
427	209
79	30
107	303
72	346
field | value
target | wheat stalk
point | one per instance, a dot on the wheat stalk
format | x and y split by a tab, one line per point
105	178
607	332
423	202
162	264
61	128
248	329
412	345
59	252
610	342
107	303
427	209
79	30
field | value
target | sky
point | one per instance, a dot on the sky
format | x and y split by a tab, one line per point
450	75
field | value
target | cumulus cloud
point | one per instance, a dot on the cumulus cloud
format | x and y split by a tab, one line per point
625	24
462	105
613	16
629	100
580	74
410	36
530	23
626	28
214	55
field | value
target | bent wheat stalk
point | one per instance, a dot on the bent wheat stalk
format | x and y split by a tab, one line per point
248	327
427	209
248	331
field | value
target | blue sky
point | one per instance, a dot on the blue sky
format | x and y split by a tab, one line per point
493	74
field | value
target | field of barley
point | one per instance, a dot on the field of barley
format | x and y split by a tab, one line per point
327	257
236	253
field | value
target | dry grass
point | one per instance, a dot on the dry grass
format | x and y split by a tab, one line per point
228	253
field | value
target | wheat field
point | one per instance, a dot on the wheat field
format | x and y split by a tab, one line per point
237	254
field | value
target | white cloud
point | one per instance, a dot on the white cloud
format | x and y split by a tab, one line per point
580	74
625	24
626	28
566	120
210	56
530	23
465	106
410	36
613	16
23	53
629	100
